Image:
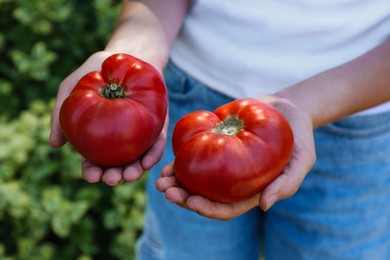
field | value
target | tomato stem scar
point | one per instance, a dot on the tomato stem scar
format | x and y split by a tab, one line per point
112	91
230	126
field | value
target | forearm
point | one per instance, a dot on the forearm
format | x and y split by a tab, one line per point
147	29
357	85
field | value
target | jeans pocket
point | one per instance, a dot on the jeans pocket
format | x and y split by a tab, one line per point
363	126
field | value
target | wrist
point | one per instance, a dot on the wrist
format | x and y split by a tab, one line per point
288	107
149	45
156	61
140	48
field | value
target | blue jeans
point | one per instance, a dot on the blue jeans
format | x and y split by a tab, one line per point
341	211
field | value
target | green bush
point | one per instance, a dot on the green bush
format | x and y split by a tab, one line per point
41	42
46	210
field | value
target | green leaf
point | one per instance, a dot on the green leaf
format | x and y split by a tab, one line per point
52	199
5	87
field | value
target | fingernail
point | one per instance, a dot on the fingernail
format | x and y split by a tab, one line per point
271	201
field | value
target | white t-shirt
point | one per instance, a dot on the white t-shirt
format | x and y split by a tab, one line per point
249	48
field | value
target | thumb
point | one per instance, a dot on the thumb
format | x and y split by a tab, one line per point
56	138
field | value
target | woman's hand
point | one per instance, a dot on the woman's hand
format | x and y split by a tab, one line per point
93	63
302	158
91	172
175	193
284	186
129	173
146	30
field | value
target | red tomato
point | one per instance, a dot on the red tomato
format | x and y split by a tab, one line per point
234	153
114	115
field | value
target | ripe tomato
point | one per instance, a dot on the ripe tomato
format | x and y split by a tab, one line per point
231	154
114	115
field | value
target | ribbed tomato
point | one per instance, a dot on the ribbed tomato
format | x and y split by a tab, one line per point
233	153
114	115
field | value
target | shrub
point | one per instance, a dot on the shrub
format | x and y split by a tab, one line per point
46	210
44	41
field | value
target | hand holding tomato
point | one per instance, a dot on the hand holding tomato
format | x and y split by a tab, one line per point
113	174
284	186
112	116
233	153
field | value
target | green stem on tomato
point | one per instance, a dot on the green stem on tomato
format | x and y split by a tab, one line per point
230	126
113	91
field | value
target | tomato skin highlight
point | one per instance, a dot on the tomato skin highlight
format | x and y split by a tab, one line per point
116	129
233	153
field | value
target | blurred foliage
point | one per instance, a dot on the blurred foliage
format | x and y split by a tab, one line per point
41	42
46	210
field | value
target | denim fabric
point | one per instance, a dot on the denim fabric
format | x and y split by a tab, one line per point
341	211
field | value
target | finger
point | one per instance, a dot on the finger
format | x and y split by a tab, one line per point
177	195
221	211
133	172
167	170
56	138
153	156
112	176
162	184
90	172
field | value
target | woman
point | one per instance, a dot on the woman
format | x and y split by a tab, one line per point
325	65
